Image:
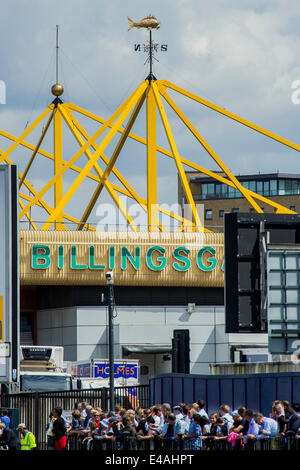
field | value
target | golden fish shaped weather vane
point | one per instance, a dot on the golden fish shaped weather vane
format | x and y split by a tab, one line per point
150	22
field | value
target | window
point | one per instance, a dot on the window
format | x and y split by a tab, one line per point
293	208
281	187
252	210
221	213
224	190
266	188
273	187
259	187
235	209
252	186
208	214
211	189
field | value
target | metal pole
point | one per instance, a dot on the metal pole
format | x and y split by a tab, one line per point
111	348
57	53
150	53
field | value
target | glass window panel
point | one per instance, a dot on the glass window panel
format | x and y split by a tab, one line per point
292	313
204	188
281	187
218	188
208	214
273	187
211	188
266	187
252	186
274	279
288	187
292	296
275	313
259	187
291	279
291	261
225	188
275	296
294	186
246	184
292	326
274	261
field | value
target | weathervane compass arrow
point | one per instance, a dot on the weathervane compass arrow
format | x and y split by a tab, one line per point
150	22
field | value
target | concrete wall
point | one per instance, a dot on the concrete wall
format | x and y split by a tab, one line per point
82	332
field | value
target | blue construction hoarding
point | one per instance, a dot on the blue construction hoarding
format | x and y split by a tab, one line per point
254	391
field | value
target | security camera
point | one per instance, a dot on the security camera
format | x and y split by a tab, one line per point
109	277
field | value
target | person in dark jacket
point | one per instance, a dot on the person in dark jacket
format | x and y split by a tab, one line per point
59	430
8	438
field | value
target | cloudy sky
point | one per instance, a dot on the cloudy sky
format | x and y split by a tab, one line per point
241	55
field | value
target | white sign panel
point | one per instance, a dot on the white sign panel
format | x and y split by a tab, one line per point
8	276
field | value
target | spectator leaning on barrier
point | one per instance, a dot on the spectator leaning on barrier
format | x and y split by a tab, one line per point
293	423
224	413
8	438
278	413
222	429
252	430
181	425
194	434
157	416
27	438
268	427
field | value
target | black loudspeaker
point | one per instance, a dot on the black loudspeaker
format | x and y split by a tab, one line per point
181	352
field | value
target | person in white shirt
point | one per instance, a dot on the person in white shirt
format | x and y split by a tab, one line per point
202	411
224	413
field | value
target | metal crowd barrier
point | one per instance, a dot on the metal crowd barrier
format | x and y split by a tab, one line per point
157	445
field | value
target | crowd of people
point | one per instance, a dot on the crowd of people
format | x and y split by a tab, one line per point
184	426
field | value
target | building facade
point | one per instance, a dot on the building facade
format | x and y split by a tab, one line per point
163	282
218	198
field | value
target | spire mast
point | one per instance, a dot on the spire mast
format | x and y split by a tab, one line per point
57	47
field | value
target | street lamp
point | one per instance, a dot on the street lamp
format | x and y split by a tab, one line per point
110	281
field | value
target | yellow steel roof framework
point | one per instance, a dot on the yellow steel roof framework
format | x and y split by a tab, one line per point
154	93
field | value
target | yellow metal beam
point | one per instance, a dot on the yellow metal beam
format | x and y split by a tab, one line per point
185	161
27	215
76	156
58	157
128	191
280	209
25	133
211	152
65	216
44	132
235	117
33	191
113	158
136	96
71	122
182	175
153	221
